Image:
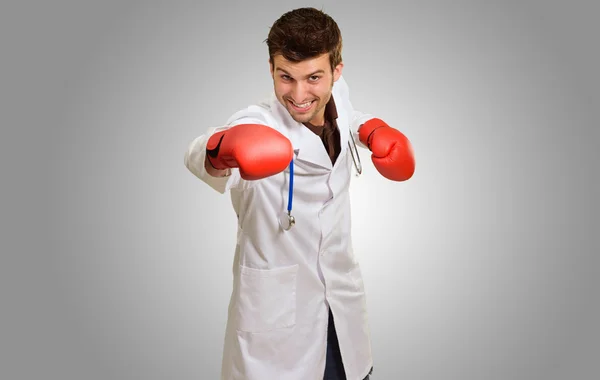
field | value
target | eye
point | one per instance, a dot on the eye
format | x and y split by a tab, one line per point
314	78
286	77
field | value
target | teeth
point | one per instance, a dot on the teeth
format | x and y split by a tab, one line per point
304	105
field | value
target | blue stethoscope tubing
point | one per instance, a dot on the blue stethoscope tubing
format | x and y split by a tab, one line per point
291	188
291	219
358	166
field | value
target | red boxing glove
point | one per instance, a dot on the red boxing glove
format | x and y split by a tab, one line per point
257	150
392	153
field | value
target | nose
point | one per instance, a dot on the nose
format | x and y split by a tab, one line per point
299	92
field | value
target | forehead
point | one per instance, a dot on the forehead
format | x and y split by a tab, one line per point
305	67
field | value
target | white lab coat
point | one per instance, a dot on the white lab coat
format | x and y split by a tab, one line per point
285	281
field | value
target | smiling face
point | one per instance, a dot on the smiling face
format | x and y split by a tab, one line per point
304	88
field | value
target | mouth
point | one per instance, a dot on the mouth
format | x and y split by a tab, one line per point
303	107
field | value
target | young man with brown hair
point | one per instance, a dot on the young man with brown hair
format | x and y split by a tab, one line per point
298	306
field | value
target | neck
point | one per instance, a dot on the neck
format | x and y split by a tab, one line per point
318	121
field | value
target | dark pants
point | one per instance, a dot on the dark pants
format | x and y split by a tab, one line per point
334	368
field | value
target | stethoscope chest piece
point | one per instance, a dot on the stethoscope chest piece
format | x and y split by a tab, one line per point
286	220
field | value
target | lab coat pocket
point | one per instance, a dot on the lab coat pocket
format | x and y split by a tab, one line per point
267	298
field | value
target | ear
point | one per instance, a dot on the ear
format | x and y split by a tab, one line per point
337	72
270	66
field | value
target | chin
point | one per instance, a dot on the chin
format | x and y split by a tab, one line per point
303	119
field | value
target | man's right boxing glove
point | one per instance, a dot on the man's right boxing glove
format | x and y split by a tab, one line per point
257	150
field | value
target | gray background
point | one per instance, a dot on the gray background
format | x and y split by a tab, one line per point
116	261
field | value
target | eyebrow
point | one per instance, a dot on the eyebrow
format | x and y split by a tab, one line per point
309	75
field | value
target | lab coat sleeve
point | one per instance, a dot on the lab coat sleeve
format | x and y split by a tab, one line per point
194	160
356	117
196	153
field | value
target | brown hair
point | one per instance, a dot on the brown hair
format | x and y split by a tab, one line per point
305	33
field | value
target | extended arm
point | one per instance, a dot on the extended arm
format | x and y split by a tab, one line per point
249	151
196	161
392	152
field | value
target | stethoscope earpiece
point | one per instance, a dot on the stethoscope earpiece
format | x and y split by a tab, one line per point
358	165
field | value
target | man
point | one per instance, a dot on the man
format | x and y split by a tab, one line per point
297	310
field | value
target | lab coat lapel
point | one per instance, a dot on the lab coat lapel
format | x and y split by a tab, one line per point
307	146
343	125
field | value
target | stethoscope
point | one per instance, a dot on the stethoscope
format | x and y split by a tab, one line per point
289	221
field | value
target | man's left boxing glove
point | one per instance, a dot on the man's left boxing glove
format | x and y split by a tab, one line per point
257	150
392	153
